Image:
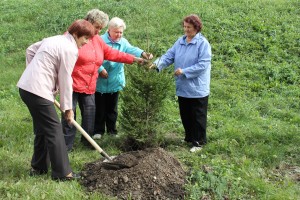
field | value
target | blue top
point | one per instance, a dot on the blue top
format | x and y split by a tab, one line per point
194	59
116	77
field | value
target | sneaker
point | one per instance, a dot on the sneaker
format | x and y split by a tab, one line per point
97	136
194	149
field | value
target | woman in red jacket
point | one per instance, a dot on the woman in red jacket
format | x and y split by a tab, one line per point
85	75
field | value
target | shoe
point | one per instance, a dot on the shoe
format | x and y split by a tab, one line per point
37	172
67	178
97	136
195	148
196	144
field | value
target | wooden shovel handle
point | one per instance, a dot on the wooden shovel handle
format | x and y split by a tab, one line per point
85	134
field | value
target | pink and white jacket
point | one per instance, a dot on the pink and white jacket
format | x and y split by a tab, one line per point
49	65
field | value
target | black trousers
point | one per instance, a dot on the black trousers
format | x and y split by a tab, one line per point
87	107
49	143
193	112
106	112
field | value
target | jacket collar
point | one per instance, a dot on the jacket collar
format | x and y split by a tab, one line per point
107	39
71	38
194	40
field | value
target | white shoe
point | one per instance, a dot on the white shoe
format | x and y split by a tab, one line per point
194	149
97	136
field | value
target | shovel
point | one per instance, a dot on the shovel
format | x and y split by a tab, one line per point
86	135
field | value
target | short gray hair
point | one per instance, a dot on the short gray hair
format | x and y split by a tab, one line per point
116	22
98	16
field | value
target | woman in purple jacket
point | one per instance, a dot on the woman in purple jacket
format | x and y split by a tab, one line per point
191	55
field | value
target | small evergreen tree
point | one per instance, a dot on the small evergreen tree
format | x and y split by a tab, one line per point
143	99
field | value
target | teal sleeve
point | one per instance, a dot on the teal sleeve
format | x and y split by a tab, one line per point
101	68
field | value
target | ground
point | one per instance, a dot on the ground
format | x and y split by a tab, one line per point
288	171
138	175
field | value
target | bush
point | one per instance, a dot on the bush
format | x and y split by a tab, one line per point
142	105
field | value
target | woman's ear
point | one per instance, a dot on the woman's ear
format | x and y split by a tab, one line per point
75	36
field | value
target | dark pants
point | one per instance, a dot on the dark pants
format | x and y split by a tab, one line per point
193	112
87	107
49	143
106	112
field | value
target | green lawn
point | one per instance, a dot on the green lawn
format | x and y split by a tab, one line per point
253	121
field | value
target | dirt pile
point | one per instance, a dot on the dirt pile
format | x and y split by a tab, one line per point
149	174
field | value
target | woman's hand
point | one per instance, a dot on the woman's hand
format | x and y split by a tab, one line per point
103	74
69	116
178	72
147	56
139	60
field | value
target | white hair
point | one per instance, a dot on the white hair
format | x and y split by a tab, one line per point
116	22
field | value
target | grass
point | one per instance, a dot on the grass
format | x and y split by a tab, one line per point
253	122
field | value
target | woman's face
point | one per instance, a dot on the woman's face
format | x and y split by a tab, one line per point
116	33
189	30
80	41
98	27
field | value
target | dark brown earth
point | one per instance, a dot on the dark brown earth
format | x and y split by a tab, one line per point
138	175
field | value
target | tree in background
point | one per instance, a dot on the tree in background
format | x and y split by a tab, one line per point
142	107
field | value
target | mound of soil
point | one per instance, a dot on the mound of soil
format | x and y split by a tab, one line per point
147	174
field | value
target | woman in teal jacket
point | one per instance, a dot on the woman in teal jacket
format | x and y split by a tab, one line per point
112	79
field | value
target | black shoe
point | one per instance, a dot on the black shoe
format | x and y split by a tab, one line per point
67	178
37	172
196	144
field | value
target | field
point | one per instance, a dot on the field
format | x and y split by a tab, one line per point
253	121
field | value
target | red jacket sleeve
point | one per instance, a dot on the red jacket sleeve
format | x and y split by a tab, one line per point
115	55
